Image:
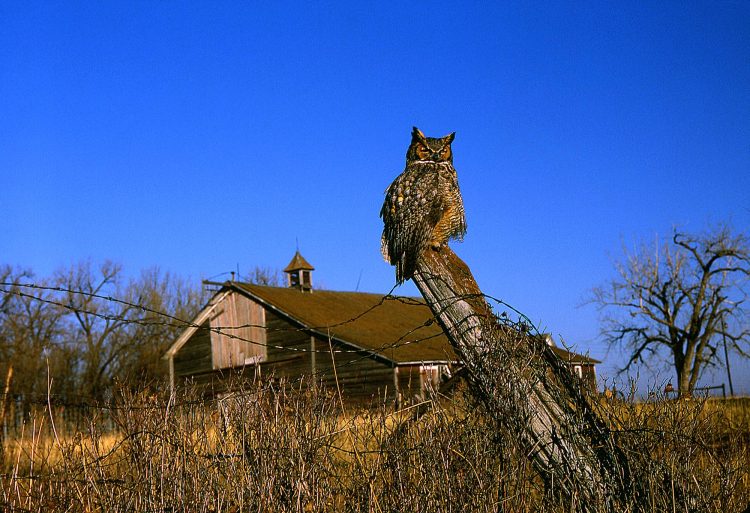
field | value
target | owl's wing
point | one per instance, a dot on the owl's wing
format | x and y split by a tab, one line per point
411	209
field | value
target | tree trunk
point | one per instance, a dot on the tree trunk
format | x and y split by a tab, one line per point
530	393
683	383
683	368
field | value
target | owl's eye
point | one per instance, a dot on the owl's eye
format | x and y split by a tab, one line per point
445	152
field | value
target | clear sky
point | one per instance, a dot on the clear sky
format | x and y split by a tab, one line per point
204	137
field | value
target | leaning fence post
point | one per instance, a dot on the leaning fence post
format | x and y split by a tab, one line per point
529	391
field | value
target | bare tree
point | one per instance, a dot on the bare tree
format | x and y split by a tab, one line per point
166	304
32	334
686	297
121	328
87	327
97	326
265	276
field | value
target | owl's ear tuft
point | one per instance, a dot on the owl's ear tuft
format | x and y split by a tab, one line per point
417	134
449	138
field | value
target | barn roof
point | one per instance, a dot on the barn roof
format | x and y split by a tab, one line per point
571	357
399	329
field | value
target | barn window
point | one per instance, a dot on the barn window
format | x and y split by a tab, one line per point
578	371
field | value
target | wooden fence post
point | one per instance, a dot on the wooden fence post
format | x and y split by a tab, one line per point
4	407
530	393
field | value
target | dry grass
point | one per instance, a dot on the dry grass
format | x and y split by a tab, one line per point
703	444
297	449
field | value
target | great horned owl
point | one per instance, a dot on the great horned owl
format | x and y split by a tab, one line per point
423	206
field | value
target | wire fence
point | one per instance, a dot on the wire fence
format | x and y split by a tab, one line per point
164	319
74	301
297	449
43	413
155	435
24	415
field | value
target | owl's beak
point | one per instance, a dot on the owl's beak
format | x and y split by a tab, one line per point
435	157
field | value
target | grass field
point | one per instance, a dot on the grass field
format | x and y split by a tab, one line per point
271	450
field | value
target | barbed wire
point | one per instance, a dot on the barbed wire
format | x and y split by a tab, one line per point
177	322
167	320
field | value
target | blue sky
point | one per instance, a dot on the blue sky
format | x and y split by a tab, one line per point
203	137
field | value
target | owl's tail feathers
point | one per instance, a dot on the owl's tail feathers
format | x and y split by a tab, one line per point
405	269
405	264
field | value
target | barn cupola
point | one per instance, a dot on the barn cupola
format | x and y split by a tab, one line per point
299	273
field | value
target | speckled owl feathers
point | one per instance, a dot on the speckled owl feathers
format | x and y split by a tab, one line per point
423	206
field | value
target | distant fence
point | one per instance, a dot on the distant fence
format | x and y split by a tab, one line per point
721	387
23	415
706	391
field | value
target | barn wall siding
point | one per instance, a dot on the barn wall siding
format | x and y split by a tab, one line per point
237	336
359	375
195	356
286	340
589	376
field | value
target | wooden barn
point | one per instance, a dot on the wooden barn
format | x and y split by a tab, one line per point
582	366
374	347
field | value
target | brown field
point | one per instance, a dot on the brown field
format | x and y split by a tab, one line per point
271	450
